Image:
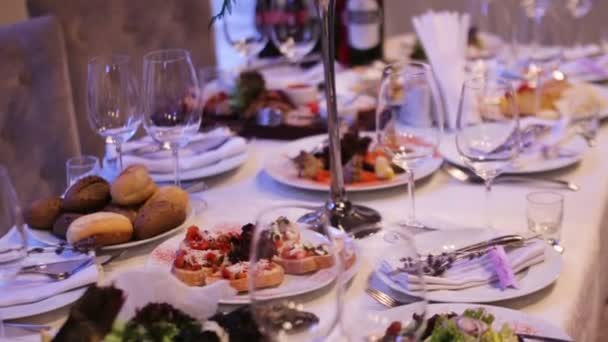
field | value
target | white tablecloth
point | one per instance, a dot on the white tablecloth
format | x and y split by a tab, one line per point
575	302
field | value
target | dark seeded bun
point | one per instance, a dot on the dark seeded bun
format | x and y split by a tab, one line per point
173	194
158	217
88	194
129	212
42	213
133	186
60	227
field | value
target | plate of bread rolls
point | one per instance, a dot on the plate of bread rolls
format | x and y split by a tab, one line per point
131	211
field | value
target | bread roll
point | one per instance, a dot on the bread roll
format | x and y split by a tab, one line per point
88	194
129	212
42	213
157	217
133	186
102	229
63	222
173	194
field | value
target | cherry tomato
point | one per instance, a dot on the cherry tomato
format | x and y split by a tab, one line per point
394	329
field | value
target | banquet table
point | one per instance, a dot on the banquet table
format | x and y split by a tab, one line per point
575	302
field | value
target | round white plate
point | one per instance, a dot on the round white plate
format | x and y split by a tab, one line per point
531	162
218	168
45	305
293	285
534	279
281	168
46	237
519	321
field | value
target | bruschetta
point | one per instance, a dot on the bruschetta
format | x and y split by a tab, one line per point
304	258
193	266
269	275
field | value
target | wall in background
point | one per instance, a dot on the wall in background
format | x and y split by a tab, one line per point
12	11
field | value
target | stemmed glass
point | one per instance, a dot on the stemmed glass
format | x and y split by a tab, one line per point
409	121
295	27
245	28
488	136
579	9
278	232
112	100
13	241
170	100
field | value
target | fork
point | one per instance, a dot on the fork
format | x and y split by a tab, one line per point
383	297
66	274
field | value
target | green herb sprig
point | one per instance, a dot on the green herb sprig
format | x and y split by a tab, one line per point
226	9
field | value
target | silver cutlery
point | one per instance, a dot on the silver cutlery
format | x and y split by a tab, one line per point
541	338
59	270
28	326
383	297
467	176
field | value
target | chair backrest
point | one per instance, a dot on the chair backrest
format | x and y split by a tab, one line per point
134	27
37	123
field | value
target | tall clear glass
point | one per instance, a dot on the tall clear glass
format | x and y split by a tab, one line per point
171	100
307	256
488	134
112	100
245	28
579	10
409	121
295	27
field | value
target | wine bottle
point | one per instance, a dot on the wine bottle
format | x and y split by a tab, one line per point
361	39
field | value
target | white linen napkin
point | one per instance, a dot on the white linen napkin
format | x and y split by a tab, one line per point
156	286
30	288
468	273
444	38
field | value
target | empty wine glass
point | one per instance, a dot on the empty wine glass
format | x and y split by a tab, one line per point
409	121
170	100
112	100
13	242
245	28
578	9
279	234
295	27
488	136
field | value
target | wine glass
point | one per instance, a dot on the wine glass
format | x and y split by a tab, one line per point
13	242
245	28
295	28
488	135
170	100
409	121
112	100
279	234
578	9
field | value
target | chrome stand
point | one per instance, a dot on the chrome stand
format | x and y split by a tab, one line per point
344	215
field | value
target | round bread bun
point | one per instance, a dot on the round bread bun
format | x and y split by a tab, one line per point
133	186
129	212
158	217
42	213
60	227
100	229
88	194
173	194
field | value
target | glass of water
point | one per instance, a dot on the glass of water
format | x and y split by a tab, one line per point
545	212
81	166
13	242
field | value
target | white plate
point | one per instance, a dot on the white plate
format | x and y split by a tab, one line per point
534	279
282	169
519	321
293	285
45	305
218	168
46	237
531	162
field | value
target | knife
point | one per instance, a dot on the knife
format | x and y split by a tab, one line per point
542	338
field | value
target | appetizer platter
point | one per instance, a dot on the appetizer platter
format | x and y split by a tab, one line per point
296	262
93	213
464	322
472	278
304	164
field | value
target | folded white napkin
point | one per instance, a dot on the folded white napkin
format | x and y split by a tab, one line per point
195	155
444	38
468	273
280	77
29	288
156	286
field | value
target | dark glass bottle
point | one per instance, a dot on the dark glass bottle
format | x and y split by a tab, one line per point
360	32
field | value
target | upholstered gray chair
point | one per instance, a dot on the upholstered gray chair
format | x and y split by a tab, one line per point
37	123
135	27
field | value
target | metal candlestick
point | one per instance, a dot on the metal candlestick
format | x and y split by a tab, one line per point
343	214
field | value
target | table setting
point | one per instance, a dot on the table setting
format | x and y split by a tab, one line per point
454	197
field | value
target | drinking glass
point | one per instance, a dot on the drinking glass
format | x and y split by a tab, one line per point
81	166
488	135
409	121
578	9
112	100
245	28
545	213
295	27
13	242
277	232
171	101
